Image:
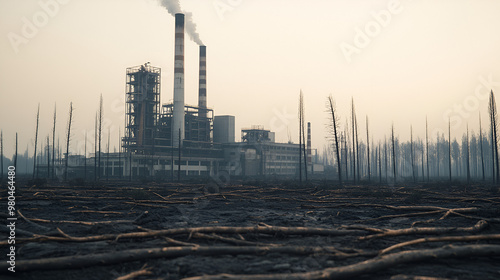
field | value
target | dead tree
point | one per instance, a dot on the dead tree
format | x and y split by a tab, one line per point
393	153
494	146
48	157
303	132
437	154
468	155
334	124
15	155
67	141
300	137
54	144
347	150
481	145
422	159
449	147
385	157
36	140
100	137
107	158
379	165
357	147
95	148
427	147
85	158
119	154
368	149
411	155
353	141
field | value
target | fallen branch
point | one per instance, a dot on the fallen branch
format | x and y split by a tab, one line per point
490	220
426	230
143	271
170	240
442	239
97	212
470	209
370	266
412	277
271	230
229	240
32	223
30	220
79	261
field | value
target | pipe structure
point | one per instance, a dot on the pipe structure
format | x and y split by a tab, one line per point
202	92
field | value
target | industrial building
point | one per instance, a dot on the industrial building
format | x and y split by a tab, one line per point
176	140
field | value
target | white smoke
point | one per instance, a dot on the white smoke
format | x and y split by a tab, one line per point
173	7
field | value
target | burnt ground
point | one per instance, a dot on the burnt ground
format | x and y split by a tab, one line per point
360	211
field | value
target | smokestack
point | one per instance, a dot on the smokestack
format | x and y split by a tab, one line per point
309	156
202	92
178	113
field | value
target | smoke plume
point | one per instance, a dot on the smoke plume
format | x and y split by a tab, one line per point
173	7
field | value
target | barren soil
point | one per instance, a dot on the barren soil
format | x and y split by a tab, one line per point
58	214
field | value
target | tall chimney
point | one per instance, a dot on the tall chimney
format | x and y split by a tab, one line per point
202	92
178	112
309	156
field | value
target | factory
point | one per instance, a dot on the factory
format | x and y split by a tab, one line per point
177	140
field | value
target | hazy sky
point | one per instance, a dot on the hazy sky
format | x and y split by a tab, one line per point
399	60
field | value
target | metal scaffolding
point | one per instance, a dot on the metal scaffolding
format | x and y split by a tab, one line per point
142	108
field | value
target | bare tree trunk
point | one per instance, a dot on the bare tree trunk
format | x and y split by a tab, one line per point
379	165
95	148
468	160
393	153
386	164
357	148
368	149
100	138
346	155
334	123
85	158
427	146
15	155
302	122
67	141
107	158
54	144
449	147
411	156
353	142
300	137
437	155
490	111
48	157
422	156
120	172
481	144
36	140
494	117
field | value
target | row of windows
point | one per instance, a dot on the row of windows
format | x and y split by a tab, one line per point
167	162
281	148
